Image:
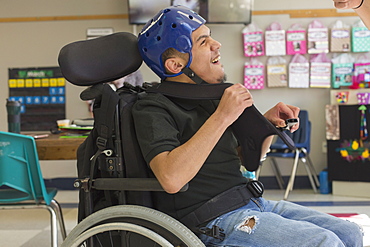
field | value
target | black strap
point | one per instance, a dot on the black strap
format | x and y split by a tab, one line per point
227	201
251	128
190	73
104	111
190	91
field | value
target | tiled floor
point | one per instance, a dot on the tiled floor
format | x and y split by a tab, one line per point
30	228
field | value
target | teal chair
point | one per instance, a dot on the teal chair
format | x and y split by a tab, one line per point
21	182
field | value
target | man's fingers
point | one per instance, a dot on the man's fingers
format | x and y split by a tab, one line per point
346	4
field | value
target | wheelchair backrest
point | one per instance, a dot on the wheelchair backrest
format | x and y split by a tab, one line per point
112	142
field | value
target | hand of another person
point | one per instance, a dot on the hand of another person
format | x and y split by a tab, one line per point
346	4
281	112
233	102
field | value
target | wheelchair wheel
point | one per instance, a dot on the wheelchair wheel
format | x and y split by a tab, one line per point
122	227
138	226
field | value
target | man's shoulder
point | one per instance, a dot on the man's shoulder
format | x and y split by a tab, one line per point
152	99
149	97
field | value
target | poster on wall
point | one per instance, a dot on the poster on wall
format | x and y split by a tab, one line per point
41	92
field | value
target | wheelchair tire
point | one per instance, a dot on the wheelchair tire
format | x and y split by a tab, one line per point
132	214
122	227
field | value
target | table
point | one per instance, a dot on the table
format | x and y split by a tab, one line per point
54	147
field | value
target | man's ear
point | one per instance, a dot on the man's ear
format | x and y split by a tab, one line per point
174	65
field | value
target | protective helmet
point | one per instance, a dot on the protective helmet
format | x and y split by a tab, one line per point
170	28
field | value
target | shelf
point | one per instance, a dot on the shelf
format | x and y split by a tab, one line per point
293	13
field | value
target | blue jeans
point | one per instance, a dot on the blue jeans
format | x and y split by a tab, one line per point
283	224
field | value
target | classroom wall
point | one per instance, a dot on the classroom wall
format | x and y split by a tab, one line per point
37	43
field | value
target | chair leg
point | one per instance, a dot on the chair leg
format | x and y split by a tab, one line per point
58	211
312	168
53	226
292	176
310	175
55	213
277	173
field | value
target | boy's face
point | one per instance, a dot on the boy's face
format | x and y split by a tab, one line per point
206	56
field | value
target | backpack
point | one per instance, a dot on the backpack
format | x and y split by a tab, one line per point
111	145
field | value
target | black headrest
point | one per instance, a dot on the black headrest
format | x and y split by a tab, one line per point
104	59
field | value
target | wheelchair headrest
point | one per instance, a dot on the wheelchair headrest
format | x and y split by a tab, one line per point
104	59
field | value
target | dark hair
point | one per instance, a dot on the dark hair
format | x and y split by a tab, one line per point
171	53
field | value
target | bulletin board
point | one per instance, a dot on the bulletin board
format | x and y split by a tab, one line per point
41	91
355	166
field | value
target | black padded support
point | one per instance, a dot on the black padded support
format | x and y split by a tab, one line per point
251	128
104	59
190	91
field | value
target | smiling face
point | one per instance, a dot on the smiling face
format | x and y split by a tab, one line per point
206	56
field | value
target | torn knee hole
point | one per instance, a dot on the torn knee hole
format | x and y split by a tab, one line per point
248	224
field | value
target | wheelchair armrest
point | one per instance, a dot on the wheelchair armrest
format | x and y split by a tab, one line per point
130	184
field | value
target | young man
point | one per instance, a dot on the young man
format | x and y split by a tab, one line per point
362	8
190	142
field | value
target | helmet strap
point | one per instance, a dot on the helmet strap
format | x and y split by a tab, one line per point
189	73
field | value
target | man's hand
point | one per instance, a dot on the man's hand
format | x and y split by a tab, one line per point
346	4
280	112
233	102
362	8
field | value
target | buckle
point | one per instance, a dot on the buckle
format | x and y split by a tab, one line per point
255	187
84	184
101	142
215	232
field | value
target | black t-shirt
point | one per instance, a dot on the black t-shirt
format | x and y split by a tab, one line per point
162	124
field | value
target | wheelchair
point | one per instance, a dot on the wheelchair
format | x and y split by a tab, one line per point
115	206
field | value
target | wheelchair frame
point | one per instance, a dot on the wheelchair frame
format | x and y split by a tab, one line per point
151	224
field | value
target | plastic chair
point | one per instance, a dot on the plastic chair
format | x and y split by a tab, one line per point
302	140
21	182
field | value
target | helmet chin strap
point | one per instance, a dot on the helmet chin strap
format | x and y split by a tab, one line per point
189	73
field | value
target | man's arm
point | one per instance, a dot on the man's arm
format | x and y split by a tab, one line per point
362	8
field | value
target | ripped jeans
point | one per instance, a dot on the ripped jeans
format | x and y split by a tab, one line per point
271	223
